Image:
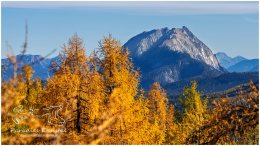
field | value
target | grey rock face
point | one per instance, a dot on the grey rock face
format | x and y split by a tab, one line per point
169	55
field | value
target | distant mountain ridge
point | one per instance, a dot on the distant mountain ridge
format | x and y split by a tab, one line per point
214	84
227	61
238	63
170	55
245	66
39	64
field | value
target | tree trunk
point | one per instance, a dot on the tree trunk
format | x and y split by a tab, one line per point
78	124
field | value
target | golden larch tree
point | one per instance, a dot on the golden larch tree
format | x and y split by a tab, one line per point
121	84
158	112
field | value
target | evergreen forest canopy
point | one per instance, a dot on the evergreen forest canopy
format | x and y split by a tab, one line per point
96	99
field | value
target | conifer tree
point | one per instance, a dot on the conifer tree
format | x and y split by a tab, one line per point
158	112
194	111
121	83
76	87
194	107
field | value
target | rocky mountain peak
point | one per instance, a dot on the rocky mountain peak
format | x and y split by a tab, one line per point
180	40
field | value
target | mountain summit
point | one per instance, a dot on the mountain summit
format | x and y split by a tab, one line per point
169	55
180	40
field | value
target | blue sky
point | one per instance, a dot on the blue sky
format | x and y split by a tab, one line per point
230	27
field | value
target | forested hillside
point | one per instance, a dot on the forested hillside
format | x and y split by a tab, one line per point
97	99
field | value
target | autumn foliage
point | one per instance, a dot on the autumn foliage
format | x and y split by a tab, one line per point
97	99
